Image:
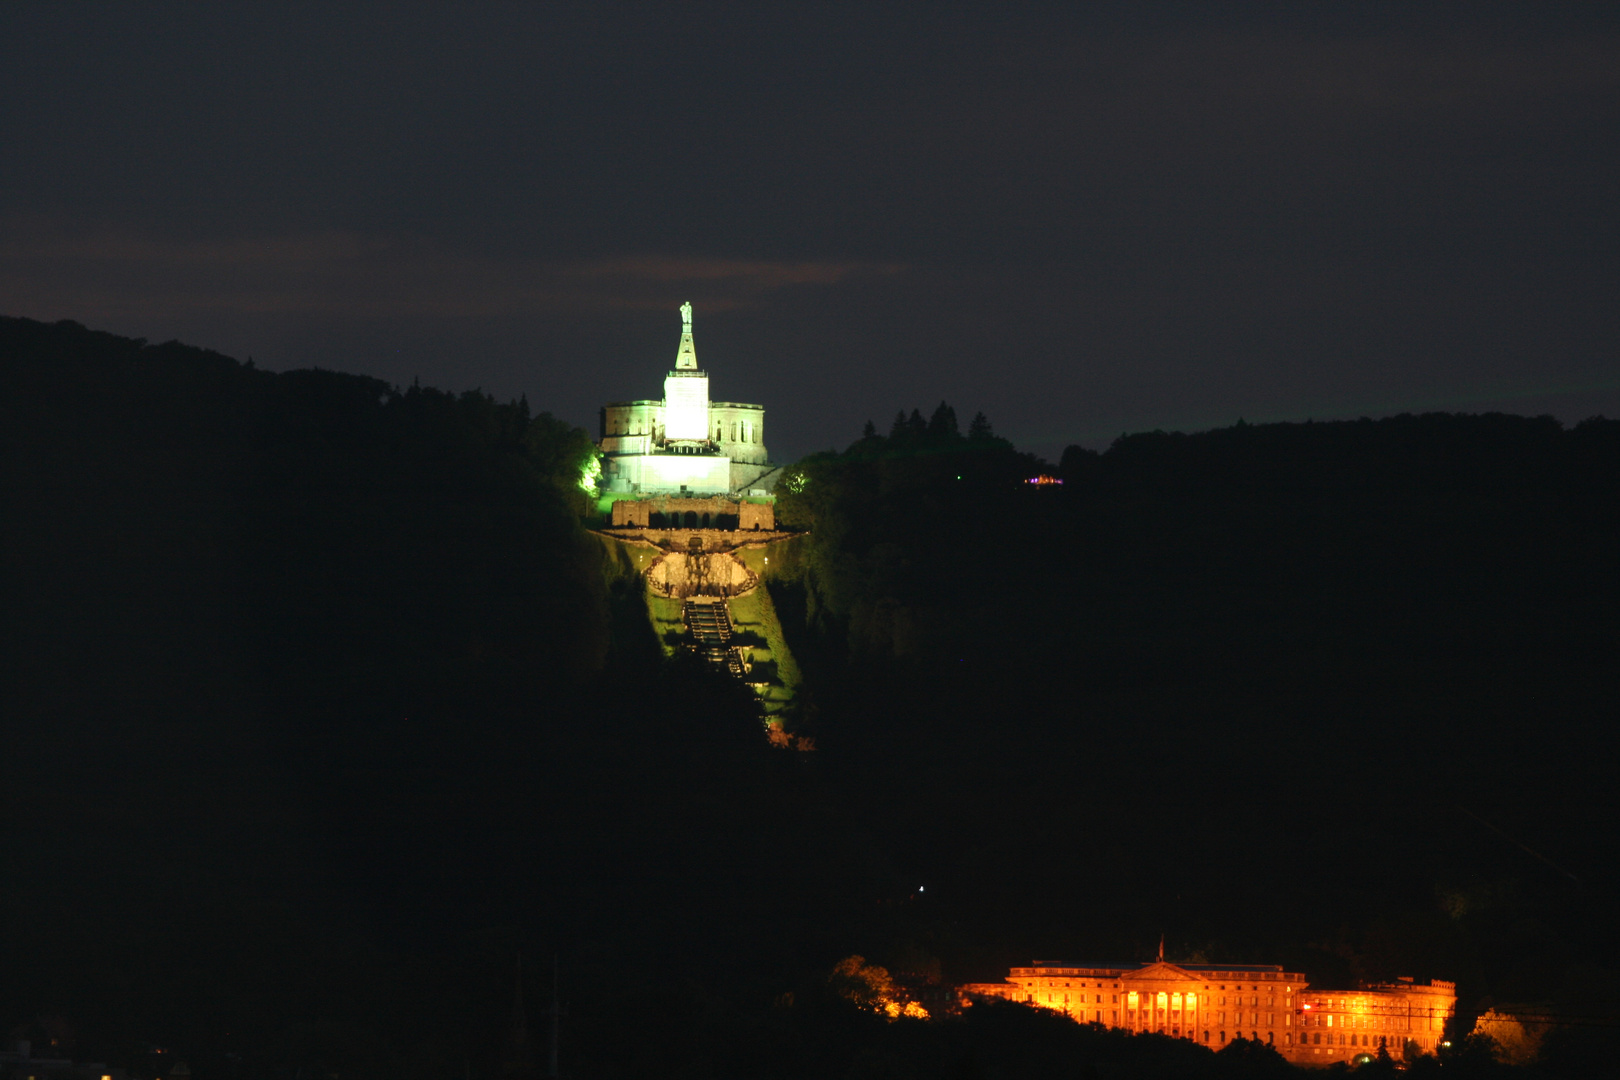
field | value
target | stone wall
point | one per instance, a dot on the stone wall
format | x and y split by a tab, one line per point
761	516
739	430
672	512
677	475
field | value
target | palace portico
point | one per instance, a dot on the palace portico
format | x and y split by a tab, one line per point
1209	1004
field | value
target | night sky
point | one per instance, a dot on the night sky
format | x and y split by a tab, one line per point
1080	223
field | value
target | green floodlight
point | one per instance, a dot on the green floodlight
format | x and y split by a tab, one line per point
590	474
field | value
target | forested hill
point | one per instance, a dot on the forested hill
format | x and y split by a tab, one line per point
1338	694
320	705
1472	530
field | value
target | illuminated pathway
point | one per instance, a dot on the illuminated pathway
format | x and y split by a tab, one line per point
710	626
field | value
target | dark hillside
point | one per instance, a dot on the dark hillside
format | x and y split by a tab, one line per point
321	707
316	716
1256	688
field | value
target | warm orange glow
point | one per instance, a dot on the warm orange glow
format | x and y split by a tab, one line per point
870	987
1397	1011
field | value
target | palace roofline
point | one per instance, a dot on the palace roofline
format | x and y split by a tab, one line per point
1133	965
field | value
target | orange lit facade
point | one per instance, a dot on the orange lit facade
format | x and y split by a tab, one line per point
1208	1004
1214	1004
1337	1025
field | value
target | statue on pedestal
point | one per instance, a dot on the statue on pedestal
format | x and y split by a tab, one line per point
686	317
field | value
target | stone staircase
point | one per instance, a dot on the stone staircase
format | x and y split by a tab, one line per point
710	627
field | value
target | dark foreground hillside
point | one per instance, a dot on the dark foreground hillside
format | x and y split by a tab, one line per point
321	708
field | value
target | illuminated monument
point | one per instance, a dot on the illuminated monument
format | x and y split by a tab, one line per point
1215	1004
685	444
690	485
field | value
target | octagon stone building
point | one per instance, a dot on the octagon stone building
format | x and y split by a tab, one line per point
685	444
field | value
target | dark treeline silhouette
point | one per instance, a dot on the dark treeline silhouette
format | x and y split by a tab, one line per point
321	706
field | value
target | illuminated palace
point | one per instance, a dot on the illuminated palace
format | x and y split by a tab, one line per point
1214	1004
685	444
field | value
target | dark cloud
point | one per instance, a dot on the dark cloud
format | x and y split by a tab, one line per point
1081	222
117	274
